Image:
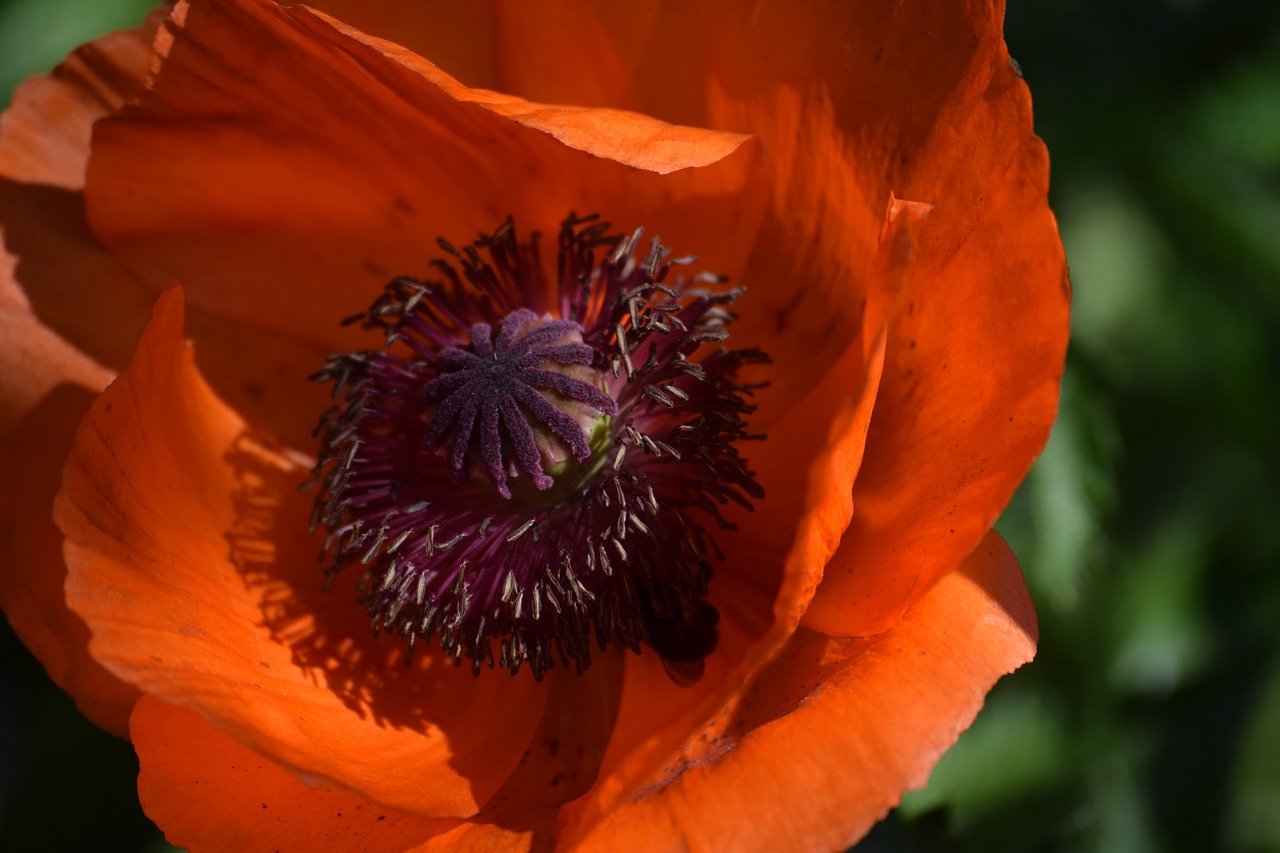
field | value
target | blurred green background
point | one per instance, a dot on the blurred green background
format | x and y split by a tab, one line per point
1149	530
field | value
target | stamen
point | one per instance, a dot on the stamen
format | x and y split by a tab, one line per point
506	405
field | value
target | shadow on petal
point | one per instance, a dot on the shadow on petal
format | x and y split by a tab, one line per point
147	505
330	638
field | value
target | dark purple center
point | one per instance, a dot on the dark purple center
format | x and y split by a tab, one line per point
486	394
609	394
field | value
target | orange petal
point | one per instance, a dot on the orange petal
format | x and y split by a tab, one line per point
774	561
565	753
969	393
559	48
942	118
975	357
46	388
891	72
835	730
188	559
208	791
306	185
973	372
44	134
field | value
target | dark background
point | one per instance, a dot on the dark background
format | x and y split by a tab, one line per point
1149	530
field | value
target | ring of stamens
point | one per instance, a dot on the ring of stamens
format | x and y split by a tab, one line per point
530	466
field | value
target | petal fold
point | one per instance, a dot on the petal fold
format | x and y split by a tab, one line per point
831	734
629	138
307	183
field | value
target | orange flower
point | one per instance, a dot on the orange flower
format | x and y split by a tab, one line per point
283	165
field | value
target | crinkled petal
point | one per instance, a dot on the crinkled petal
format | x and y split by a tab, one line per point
831	734
44	134
198	582
208	791
44	149
77	289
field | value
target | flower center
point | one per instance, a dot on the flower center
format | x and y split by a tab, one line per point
529	464
514	399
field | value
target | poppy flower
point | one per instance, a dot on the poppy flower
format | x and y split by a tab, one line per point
813	615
